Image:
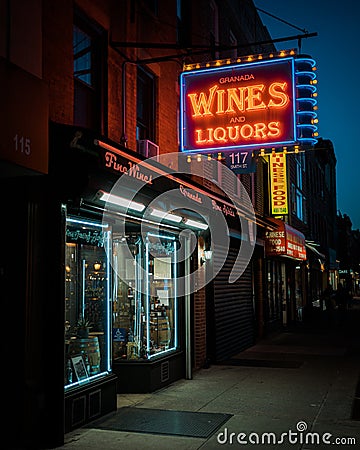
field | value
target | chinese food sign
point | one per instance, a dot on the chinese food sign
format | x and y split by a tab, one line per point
278	184
285	241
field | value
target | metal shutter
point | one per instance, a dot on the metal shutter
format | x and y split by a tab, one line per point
233	308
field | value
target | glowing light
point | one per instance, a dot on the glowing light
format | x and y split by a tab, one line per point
306	86
259	131
120	201
84	222
307	99
196	224
306	125
306	60
306	73
306	113
167	216
244	99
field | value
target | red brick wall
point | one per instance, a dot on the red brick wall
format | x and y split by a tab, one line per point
199	329
200	322
58	59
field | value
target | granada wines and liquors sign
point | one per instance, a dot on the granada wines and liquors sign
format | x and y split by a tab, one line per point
238	106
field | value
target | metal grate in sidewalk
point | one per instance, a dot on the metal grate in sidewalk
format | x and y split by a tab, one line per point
158	421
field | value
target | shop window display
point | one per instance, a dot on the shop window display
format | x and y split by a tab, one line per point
87	314
144	301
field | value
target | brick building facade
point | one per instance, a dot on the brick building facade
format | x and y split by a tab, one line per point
111	69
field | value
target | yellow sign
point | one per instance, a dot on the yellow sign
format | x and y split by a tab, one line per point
278	184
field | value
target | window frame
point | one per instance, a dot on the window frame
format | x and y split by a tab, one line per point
90	99
146	126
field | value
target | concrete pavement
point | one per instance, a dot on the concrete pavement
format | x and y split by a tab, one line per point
290	384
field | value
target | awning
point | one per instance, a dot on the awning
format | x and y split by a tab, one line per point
285	241
316	252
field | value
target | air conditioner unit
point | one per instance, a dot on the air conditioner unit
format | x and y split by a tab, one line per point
147	148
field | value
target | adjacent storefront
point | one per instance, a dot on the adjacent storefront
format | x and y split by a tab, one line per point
285	255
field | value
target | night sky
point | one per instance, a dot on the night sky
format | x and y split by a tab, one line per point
336	50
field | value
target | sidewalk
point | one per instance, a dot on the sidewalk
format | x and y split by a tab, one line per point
306	378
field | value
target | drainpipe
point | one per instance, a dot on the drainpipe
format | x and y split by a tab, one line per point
188	366
124	138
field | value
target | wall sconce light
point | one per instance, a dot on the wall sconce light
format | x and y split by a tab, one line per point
97	266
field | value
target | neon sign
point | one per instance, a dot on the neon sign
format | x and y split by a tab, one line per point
238	106
278	182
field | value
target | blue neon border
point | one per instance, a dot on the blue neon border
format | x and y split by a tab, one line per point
89	223
227	67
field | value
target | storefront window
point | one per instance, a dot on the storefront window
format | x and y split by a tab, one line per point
145	301
87	315
276	293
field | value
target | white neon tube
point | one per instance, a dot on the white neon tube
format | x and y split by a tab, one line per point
120	201
196	224
166	216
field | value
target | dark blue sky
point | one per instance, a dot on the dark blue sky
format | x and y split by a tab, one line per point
336	50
